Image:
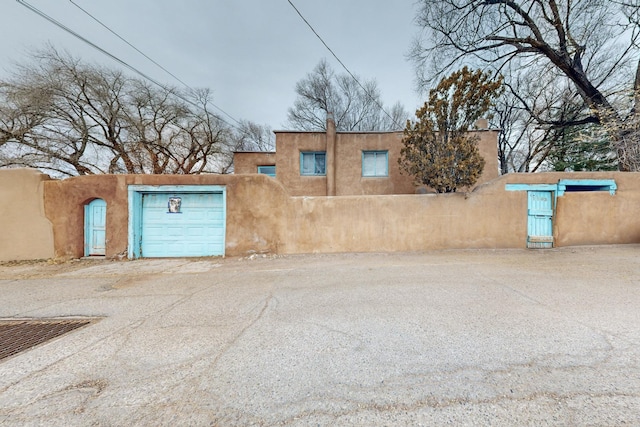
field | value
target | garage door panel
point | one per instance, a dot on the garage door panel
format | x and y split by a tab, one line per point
197	230
194	231
175	232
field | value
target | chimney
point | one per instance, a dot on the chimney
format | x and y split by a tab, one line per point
330	158
481	124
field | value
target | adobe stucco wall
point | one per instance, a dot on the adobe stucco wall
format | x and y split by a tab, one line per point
590	218
253	206
248	162
263	217
347	162
288	148
349	147
349	179
488	217
25	232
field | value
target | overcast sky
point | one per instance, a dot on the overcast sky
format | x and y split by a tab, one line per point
249	53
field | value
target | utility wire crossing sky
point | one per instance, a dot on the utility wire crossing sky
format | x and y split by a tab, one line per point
250	54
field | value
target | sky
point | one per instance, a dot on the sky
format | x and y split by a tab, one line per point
249	53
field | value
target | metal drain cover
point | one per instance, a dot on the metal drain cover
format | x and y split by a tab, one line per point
18	335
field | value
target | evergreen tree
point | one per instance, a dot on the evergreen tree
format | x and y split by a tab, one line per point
582	148
438	149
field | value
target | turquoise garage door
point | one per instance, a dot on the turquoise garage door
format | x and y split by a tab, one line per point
182	224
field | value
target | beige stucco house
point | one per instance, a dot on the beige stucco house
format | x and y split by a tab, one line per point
332	192
45	218
348	163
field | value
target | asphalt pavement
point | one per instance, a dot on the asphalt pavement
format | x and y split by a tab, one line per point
460	337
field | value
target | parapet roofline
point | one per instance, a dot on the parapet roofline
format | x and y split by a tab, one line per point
371	132
338	132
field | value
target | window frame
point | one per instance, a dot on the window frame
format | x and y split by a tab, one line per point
375	153
586	185
267	166
314	154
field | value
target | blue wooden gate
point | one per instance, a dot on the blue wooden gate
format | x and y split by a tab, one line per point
95	221
540	219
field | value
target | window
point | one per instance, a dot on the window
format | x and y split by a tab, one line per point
573	185
313	163
267	170
375	163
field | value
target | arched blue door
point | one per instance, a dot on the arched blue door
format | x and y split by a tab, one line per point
95	221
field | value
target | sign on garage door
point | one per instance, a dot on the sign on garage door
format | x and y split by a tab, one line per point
188	221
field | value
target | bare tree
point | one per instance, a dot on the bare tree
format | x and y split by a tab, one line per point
250	136
19	113
355	107
246	136
529	114
70	118
591	43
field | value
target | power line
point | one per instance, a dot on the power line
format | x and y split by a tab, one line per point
130	45
343	66
122	62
